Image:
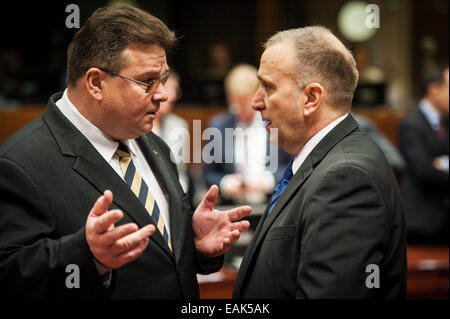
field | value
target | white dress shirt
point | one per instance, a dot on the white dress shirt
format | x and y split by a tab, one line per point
431	114
107	147
250	149
312	143
250	156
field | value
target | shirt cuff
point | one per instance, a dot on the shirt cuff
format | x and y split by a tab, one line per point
105	273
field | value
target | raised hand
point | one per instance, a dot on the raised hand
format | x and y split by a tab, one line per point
113	246
215	230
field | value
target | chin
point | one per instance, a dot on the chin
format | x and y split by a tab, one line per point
147	129
136	134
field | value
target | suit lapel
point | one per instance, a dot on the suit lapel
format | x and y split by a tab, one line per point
344	128
263	227
169	181
92	167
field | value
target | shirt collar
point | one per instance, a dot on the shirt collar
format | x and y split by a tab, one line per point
312	143
104	144
431	114
132	146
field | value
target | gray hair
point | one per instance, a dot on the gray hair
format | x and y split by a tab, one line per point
321	57
242	80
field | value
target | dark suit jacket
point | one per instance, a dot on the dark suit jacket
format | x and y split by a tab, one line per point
214	172
340	212
425	188
50	177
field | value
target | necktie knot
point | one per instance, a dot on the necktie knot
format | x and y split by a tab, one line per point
287	176
288	172
122	151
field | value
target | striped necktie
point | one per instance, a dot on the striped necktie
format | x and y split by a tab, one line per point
141	190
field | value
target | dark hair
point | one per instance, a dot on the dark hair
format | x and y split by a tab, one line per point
433	76
104	36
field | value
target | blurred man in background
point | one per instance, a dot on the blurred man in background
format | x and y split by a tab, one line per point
423	138
393	155
246	178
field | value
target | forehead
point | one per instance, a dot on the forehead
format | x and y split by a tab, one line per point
145	58
277	60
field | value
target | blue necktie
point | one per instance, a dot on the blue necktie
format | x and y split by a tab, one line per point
280	187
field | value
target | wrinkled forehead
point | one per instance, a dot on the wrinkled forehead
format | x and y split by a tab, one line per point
279	59
148	58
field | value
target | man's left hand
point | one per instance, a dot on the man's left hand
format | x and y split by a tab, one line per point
215	230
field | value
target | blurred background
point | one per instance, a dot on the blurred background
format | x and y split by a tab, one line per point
214	36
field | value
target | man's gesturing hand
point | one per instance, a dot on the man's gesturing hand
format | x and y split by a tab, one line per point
114	246
214	230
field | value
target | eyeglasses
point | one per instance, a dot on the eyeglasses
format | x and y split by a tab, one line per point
150	85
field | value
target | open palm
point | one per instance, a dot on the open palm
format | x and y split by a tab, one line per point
216	230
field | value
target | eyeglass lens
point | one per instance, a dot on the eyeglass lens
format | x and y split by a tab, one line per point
155	83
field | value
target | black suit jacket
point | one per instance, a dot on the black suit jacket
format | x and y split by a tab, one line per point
50	177
340	213
214	172
425	188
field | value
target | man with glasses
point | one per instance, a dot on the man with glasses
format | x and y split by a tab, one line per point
90	203
149	85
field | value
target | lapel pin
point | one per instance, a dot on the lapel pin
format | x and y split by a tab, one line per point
156	153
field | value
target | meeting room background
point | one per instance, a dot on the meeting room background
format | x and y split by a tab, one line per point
405	40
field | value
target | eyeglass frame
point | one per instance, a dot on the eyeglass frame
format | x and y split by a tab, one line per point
163	79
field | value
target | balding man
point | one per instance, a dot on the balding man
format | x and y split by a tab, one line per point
334	227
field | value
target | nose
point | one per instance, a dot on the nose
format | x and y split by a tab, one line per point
160	93
258	101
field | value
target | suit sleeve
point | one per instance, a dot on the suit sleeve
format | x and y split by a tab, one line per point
35	261
345	228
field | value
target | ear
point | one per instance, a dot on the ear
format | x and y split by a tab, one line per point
313	95
93	82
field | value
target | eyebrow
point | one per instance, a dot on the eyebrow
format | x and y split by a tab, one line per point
266	81
147	75
151	74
